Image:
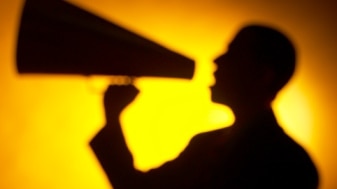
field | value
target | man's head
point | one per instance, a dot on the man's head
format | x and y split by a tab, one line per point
259	62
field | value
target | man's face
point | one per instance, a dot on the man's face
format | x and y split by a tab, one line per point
234	75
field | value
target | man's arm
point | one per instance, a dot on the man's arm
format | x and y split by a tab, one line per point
109	144
112	152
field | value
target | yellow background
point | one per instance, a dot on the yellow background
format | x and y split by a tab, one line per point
47	121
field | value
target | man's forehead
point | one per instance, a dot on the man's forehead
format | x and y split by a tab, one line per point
237	46
240	41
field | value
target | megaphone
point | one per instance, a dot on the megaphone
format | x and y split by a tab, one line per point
56	37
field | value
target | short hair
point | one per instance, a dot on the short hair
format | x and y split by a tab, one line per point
273	49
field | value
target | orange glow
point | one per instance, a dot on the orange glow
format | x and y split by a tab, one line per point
159	124
47	121
294	114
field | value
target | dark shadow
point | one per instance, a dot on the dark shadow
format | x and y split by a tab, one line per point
253	153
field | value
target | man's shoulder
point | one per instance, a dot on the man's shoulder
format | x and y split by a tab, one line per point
211	135
207	140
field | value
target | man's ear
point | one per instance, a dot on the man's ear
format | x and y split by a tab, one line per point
267	83
267	79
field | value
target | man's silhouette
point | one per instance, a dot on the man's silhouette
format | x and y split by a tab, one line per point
253	153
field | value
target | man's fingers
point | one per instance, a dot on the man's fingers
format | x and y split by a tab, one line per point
116	98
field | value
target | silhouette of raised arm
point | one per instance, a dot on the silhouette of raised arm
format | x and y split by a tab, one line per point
109	144
112	152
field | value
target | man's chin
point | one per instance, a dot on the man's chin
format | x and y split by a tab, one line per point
215	97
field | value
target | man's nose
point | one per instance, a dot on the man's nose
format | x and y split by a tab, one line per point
220	59
214	67
216	61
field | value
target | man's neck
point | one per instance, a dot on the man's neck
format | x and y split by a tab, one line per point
249	114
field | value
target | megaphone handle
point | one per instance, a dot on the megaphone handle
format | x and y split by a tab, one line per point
98	84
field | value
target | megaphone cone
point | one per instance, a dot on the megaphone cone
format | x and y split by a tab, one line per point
59	38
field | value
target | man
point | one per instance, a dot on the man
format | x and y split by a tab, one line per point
253	153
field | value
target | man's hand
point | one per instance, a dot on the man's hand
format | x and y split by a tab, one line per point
116	98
